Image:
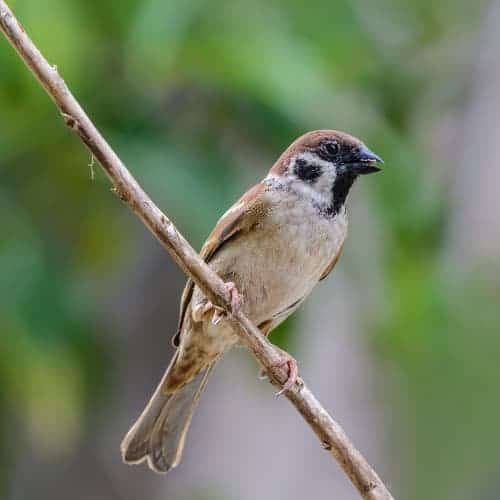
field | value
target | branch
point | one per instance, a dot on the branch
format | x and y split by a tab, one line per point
330	434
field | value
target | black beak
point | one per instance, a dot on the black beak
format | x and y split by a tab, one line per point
363	161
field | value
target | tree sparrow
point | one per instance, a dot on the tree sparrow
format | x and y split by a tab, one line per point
272	246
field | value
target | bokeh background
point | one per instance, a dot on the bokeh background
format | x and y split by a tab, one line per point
199	98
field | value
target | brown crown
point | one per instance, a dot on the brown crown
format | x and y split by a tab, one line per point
309	142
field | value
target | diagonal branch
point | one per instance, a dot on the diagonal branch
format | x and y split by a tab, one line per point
330	434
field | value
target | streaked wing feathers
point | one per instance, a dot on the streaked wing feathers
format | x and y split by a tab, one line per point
241	217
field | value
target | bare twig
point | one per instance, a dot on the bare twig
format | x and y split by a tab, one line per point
330	434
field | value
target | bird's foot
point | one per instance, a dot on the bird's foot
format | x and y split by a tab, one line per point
289	363
203	311
233	296
217	315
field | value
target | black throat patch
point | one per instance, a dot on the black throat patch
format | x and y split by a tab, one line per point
340	190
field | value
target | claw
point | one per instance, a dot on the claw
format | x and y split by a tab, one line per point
293	372
218	315
233	296
202	311
290	364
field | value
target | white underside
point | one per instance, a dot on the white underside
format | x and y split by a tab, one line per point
281	260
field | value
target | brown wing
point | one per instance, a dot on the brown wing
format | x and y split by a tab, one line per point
331	264
240	218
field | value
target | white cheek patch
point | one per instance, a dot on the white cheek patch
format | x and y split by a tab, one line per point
325	181
320	191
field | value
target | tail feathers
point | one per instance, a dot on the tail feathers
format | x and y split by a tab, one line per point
159	433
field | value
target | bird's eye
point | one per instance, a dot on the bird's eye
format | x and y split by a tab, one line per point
331	148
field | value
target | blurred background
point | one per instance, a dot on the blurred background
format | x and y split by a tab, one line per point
199	98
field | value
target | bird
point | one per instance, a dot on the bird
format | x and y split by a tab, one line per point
271	248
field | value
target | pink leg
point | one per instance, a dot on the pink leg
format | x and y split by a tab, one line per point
293	370
290	363
287	362
233	296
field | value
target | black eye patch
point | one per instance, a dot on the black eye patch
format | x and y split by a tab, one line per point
307	172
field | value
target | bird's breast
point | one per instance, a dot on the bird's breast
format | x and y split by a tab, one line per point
283	257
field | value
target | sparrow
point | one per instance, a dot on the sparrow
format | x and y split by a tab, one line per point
271	248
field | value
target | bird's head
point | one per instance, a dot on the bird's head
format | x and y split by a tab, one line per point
323	165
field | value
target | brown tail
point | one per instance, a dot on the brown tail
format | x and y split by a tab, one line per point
159	433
